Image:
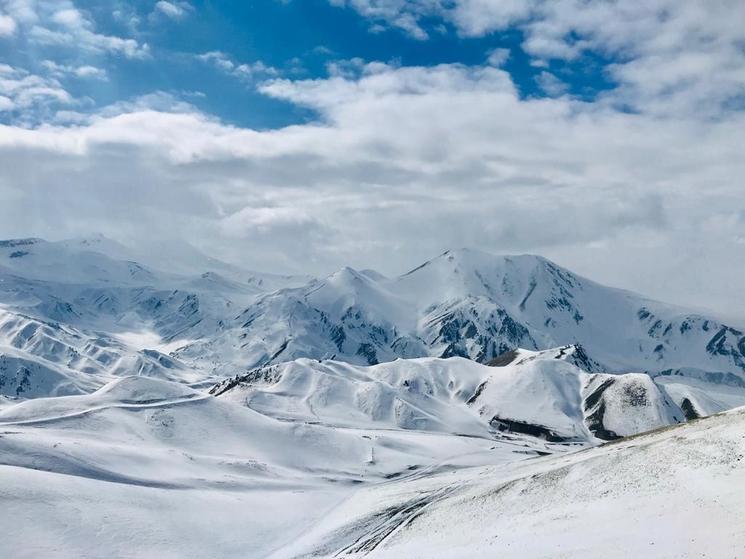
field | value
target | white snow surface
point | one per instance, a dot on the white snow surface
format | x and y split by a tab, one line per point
677	492
151	468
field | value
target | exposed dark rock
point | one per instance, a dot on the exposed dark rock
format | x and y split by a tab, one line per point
368	352
689	410
592	400
260	375
503	359
596	426
476	394
532	429
594	421
635	395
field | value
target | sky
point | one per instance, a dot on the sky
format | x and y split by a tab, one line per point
298	136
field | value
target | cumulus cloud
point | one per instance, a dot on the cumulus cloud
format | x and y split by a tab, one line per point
401	163
550	84
20	89
60	23
7	26
477	17
173	10
497	57
671	56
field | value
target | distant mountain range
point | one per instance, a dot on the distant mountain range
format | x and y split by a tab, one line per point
75	314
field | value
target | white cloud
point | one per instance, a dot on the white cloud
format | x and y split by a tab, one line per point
402	163
403	14
477	17
672	56
6	103
219	59
7	26
20	89
471	17
69	17
60	23
85	71
250	221
550	84
245	71
173	10
498	57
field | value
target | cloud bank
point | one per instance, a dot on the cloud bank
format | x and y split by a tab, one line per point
641	187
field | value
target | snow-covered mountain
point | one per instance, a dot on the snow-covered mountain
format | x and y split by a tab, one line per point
475	305
225	321
42	358
187	473
360	414
538	394
74	317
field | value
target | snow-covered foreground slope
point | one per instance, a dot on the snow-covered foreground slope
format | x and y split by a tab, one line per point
151	468
218	320
678	492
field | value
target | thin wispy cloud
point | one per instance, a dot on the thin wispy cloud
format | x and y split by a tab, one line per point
243	70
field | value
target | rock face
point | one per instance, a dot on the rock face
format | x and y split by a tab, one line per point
224	321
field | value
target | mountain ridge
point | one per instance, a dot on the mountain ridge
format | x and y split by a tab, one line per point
464	302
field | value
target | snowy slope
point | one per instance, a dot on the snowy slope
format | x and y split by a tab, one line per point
537	394
672	493
42	358
152	468
420	394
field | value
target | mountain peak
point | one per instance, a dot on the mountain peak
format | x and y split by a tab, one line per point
475	258
347	274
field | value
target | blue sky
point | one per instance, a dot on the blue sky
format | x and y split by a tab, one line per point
298	38
305	135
